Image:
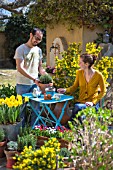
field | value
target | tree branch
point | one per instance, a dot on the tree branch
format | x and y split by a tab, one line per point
15	4
14	7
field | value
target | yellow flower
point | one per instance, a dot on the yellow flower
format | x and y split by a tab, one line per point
26	99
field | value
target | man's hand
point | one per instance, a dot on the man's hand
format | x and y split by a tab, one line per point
37	81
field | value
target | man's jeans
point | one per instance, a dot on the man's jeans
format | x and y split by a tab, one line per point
78	107
21	89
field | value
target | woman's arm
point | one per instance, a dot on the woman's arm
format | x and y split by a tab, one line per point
102	89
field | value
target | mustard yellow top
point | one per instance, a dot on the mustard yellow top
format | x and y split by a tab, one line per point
88	90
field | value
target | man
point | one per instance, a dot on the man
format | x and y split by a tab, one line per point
28	58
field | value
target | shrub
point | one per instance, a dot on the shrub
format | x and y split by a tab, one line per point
7	91
92	144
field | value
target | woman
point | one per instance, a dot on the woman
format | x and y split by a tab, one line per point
90	82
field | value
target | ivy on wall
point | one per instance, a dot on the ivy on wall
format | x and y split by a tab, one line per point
76	12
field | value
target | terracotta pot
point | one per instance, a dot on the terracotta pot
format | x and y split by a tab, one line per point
2	147
65	144
10	163
42	87
41	140
10	160
67	112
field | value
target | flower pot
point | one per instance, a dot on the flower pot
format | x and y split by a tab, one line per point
12	130
67	112
42	87
41	140
65	144
2	147
10	160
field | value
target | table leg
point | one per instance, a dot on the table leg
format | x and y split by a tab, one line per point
57	121
62	113
38	115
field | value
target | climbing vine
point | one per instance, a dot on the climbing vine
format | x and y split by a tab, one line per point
76	12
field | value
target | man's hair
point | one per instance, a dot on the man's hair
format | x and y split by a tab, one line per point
34	30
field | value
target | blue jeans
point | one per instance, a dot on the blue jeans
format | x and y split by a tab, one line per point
78	107
21	89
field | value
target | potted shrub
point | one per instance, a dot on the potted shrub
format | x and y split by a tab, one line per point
10	151
45	81
2	142
9	115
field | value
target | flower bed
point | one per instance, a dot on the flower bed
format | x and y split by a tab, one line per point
45	133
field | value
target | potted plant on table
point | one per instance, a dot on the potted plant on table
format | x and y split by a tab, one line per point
3	142
10	115
45	81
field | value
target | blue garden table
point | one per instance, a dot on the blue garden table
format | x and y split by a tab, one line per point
46	107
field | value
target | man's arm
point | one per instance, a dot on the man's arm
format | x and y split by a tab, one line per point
41	69
22	70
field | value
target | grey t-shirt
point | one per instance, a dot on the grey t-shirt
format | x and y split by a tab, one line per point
31	58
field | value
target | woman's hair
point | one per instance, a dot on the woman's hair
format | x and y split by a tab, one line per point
34	30
88	58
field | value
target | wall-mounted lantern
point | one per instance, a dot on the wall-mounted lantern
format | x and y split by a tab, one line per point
53	47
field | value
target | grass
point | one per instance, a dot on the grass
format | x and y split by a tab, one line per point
8	76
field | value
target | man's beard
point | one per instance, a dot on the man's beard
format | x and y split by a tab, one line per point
33	44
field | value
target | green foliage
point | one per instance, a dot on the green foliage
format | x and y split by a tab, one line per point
64	152
26	138
10	109
77	12
7	91
2	135
17	32
92	144
66	67
46	79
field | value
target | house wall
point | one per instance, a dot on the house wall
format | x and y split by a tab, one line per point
82	35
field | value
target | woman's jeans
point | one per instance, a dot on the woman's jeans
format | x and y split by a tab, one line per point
21	89
78	107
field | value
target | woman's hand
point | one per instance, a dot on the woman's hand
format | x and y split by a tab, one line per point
89	104
61	90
